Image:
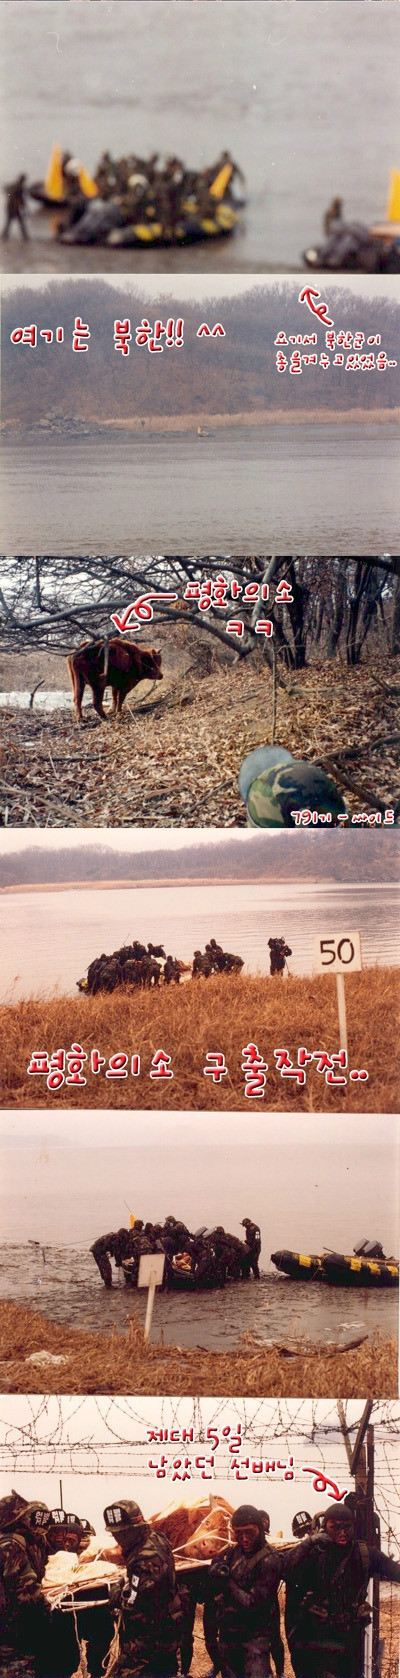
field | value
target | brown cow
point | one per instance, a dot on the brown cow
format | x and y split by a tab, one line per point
128	663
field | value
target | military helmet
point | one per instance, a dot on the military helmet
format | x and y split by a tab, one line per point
16	1508
246	1515
36	1513
122	1514
11	1508
266	1519
337	1512
72	1523
278	784
246	1221
301	1523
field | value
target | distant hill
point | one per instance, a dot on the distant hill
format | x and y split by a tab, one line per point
228	375
340	856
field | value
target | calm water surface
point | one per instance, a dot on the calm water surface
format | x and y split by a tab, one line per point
283	87
299	1201
276	489
49	938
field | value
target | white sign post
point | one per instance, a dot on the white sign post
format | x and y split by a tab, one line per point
340	953
151	1272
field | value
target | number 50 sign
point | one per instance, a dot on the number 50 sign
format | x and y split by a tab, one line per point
337	952
340	953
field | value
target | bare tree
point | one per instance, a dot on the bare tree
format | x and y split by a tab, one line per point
51	603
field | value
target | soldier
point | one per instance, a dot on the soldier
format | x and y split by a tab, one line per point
278	952
253	1242
15	210
169	186
67	1532
201	964
177	1235
172	972
216	954
151	1618
25	1616
244	1583
105	178
206	1266
326	1587
139	1243
333	218
116	1246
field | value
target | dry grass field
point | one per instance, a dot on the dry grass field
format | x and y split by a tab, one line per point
218	1014
122	1363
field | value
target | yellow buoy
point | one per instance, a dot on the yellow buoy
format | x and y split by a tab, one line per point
88	186
54	184
219	186
393	208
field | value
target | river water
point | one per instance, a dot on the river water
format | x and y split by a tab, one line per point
269	489
49	938
300	1200
305	98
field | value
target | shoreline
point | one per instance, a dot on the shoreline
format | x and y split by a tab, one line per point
121	1362
143	424
181	880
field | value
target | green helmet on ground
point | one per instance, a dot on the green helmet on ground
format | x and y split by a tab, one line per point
281	785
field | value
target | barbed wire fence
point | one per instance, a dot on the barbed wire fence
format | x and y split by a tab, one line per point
61	1436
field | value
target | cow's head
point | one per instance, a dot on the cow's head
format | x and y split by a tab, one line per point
151	664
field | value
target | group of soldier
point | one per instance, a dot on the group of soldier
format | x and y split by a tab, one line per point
326	1577
214	1257
134	964
142	189
29	1534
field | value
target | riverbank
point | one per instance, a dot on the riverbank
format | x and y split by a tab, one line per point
69	425
78	1362
217	1015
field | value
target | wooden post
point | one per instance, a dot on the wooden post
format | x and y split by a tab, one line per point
150	1305
341	1002
150	1276
373	1538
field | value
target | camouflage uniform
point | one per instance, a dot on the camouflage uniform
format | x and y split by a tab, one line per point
253	1242
283	788
23	1557
326	1608
279	791
151	1616
242	1591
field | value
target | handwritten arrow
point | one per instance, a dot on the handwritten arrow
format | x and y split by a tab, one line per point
321	1482
309	295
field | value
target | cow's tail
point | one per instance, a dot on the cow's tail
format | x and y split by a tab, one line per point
71	670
